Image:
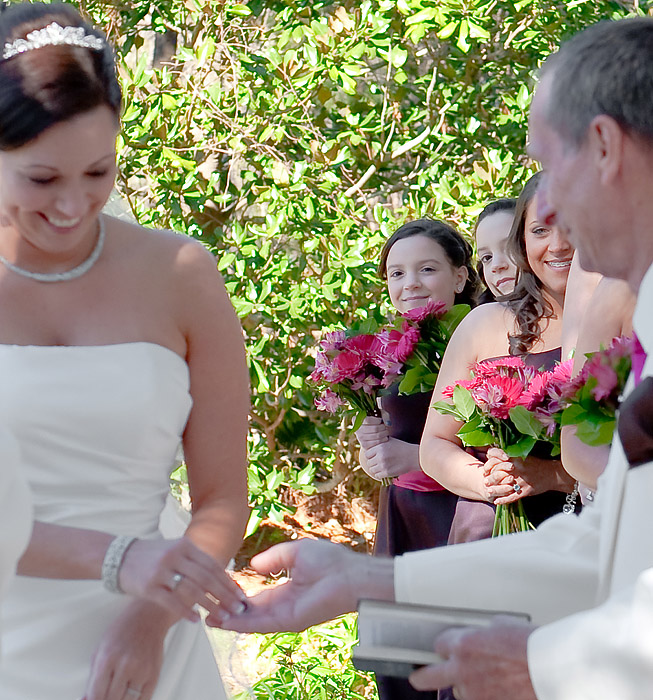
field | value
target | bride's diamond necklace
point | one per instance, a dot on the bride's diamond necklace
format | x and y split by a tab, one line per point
78	271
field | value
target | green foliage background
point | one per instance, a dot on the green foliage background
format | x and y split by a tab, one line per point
293	136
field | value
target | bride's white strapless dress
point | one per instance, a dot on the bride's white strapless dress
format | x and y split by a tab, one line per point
99	428
15	511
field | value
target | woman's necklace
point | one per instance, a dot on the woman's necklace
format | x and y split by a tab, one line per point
78	271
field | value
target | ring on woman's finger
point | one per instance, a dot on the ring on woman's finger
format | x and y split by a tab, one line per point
516	488
134	692
175	581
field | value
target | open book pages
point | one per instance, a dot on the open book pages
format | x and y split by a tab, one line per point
397	638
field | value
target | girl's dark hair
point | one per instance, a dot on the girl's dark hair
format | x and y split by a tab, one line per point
507	205
456	248
527	301
44	86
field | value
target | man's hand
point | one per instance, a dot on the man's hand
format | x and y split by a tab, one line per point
325	580
481	664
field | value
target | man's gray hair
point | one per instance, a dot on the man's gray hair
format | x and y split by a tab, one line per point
606	69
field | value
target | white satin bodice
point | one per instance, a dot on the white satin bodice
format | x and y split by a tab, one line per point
99	429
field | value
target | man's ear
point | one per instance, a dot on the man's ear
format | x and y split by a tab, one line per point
605	139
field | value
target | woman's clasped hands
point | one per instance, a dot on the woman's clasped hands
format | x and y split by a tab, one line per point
382	456
179	576
507	479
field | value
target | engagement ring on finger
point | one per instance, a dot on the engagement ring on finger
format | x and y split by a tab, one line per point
174	583
133	692
516	488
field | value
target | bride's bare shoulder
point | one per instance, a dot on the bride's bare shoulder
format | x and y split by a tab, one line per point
158	248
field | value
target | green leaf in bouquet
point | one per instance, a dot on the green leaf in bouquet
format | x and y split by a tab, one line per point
363	327
464	402
596	434
597	416
447	409
472	425
525	422
358	420
573	414
412	380
428	381
477	438
453	317
521	448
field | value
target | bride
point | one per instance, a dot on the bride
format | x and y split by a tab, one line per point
116	344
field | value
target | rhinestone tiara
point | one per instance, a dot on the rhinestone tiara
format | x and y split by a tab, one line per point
52	35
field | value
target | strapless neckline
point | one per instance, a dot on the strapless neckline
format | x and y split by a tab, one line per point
99	428
101	346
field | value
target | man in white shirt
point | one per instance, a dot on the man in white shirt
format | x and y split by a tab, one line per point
592	129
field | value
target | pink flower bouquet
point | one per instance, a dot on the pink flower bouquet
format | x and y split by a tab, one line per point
416	344
591	399
512	406
352	368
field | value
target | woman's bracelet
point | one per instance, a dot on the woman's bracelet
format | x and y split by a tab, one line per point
113	561
570	505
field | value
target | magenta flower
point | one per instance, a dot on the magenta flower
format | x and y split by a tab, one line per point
506	366
329	401
368	383
621	346
447	392
561	374
497	395
347	365
432	308
537	391
548	421
606	380
406	344
324	370
365	344
333	341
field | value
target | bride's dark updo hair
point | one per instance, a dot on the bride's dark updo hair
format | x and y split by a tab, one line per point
458	251
48	85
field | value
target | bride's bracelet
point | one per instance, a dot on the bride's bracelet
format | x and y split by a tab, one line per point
113	561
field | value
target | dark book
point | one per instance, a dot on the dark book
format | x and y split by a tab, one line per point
394	639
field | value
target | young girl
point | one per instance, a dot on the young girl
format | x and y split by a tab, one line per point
424	260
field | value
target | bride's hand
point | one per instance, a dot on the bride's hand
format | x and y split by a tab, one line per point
127	662
178	575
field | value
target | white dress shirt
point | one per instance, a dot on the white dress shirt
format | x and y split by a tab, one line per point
569	564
